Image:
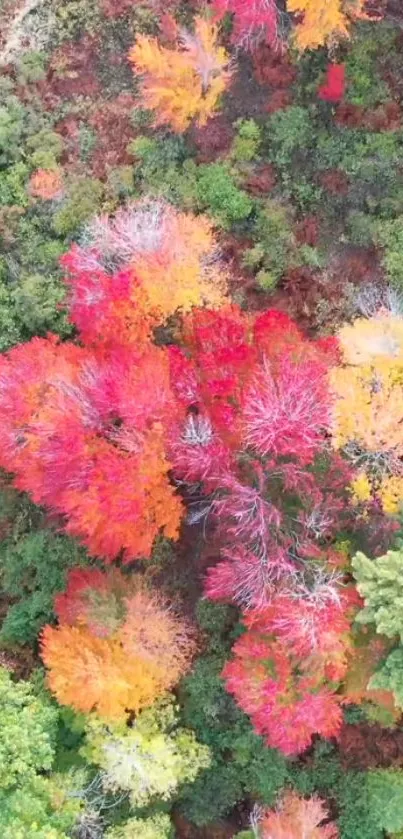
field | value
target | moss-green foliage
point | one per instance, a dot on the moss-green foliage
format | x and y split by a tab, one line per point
31	66
45	808
83	201
289	134
44	149
241	763
371	803
322	773
72	16
33	568
247	142
12	118
385	790
357	820
365	84
12	185
389	235
158	168
275	248
390	676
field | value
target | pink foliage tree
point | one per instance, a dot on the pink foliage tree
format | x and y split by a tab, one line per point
254	441
254	20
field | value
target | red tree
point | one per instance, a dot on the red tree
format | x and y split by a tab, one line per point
288	699
335	85
84	433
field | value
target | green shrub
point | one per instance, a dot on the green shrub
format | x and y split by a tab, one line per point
31	67
385	789
275	250
360	228
37	300
83	201
155	827
242	764
13	186
213	794
380	583
322	774
121	181
44	808
390	676
365	84
357	818
10	331
46	140
218	194
12	120
289	132
218	622
389	235
247	142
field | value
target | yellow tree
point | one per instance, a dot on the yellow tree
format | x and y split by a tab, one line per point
183	83
324	21
368	406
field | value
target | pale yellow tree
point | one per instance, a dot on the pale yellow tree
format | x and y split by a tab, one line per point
368	406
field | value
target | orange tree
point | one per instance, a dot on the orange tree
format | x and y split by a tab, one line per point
118	646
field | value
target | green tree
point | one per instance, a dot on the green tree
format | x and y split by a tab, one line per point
155	827
27	732
43	808
218	193
380	583
385	790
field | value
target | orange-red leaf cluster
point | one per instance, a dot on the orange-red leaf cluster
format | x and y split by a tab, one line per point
118	646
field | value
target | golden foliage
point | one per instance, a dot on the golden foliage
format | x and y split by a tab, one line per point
373	340
324	21
124	671
368	407
185	83
184	272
